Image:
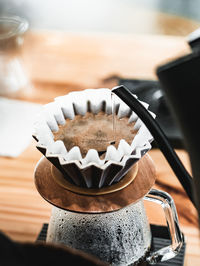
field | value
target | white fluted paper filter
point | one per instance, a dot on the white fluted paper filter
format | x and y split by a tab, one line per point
75	133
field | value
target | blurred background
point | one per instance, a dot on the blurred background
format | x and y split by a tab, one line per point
171	17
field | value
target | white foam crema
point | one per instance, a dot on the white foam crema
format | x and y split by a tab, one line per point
76	103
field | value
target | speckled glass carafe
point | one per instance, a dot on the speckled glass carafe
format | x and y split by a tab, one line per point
120	237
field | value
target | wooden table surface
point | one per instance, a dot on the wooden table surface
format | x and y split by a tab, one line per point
58	63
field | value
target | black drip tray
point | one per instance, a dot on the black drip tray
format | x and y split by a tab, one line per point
160	239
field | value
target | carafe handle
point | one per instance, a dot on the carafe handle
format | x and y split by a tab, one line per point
167	203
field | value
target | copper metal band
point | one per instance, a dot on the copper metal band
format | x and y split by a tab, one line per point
129	177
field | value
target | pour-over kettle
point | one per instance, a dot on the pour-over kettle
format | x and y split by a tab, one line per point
180	82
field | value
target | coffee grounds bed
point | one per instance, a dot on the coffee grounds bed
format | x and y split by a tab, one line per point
160	238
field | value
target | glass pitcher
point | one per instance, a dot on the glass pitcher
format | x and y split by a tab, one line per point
121	237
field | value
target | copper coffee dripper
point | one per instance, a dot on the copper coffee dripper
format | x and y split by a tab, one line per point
52	186
108	222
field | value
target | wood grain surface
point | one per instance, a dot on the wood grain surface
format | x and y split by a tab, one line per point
58	63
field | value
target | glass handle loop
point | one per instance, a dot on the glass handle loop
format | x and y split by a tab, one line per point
167	203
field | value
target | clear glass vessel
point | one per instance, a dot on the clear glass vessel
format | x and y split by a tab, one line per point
120	237
12	74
